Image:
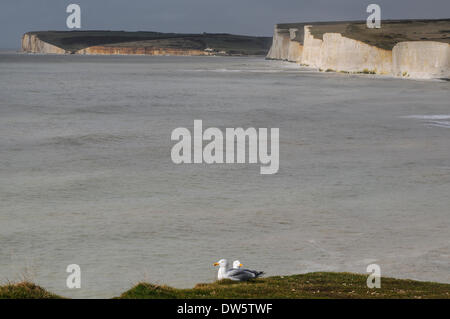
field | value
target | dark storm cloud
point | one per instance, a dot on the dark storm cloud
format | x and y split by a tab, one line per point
254	17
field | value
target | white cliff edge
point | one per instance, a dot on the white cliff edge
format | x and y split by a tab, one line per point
32	44
334	52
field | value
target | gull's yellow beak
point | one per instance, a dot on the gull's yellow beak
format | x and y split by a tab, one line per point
216	264
241	265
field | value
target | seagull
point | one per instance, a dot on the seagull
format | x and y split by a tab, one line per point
237	264
223	269
235	274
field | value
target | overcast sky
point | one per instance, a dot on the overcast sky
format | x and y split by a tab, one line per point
253	17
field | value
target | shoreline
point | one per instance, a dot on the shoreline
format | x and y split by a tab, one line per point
296	66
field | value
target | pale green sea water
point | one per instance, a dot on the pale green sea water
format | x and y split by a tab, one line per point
86	175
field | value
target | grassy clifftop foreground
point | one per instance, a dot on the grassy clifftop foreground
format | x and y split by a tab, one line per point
313	285
25	290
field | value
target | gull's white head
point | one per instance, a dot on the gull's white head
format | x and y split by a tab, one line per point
223	268
223	263
237	264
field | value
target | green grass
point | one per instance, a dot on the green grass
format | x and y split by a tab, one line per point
25	290
307	286
313	285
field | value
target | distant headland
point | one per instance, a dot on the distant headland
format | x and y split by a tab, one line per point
143	43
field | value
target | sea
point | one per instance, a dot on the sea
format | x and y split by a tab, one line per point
87	178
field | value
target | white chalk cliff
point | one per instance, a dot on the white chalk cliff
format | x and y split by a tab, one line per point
421	59
335	52
280	45
31	43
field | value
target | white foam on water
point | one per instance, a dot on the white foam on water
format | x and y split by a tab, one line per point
428	117
225	70
282	70
440	123
438	120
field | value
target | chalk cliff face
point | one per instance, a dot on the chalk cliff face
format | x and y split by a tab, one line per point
295	50
112	50
312	52
32	44
284	45
338	53
422	59
331	51
280	45
344	54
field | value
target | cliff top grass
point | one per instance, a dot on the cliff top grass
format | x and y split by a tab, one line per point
73	41
313	285
390	33
308	286
25	290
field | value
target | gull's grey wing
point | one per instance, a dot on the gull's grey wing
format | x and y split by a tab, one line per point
257	273
243	274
